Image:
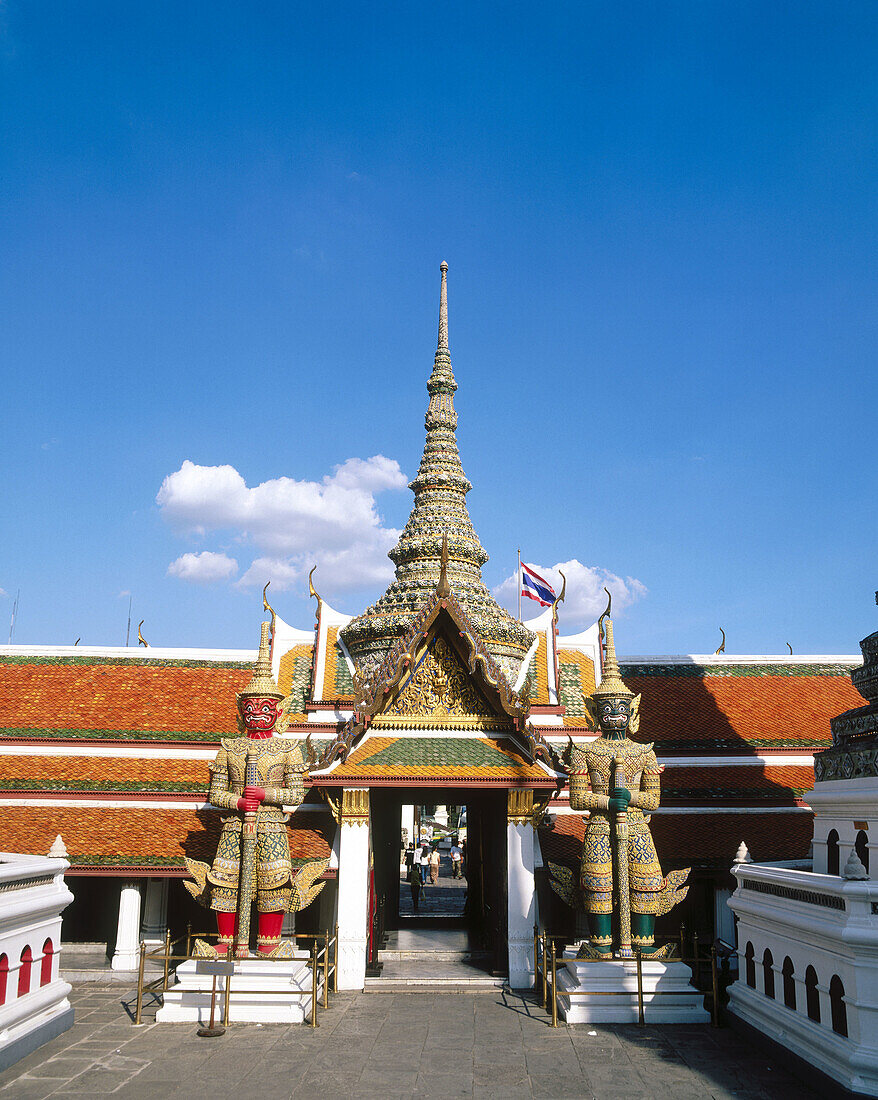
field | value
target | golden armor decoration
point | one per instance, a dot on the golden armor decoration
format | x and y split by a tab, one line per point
252	779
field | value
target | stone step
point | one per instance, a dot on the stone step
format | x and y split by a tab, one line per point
428	955
382	985
433	975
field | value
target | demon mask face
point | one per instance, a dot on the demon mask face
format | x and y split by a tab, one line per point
259	715
614	714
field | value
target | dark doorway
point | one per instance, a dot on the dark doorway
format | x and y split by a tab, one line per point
480	907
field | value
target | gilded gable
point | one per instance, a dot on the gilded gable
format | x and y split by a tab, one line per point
439	692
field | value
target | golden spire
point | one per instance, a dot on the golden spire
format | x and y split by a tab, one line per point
442	344
262	682
312	591
140	638
443	588
611	678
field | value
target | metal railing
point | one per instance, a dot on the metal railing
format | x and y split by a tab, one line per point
322	960
703	958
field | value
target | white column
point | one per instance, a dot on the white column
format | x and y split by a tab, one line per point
353	895
521	903
128	930
155	911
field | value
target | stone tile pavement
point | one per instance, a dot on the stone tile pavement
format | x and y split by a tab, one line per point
494	1045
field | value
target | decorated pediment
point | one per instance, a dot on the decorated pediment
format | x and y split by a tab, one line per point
439	690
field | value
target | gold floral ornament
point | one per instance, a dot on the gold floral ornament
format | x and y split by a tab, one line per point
439	688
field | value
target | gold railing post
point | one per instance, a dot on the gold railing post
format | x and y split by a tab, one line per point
714	1015
640	1016
140	981
536	960
314	984
545	971
167	959
683	942
228	991
326	969
697	967
336	964
189	937
554	990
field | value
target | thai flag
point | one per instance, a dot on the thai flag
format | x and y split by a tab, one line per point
536	587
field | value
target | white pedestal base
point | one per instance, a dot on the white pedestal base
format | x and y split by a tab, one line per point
659	979
288	1003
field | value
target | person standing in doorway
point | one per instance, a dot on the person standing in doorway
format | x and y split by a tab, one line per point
456	861
424	862
416	886
416	858
409	860
434	866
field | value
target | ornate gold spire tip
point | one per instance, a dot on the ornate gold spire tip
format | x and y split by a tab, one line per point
443	309
262	682
611	677
443	588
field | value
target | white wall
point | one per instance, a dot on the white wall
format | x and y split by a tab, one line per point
33	895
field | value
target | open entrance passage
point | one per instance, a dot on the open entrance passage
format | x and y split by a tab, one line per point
445	918
433	862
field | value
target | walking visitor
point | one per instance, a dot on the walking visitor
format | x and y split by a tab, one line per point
434	866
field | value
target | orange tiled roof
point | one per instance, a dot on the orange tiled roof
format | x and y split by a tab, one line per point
90	773
156	839
577	682
441	758
781	782
727	707
739	707
102	697
699	840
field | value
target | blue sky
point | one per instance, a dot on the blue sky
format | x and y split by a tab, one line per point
221	227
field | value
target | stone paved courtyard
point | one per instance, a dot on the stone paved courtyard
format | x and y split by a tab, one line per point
394	1045
445	898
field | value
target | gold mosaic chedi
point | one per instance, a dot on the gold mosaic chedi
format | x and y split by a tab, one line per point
440	489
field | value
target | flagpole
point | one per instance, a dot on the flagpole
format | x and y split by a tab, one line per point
518	578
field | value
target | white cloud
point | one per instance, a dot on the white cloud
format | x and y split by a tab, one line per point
292	524
4	593
585	598
203	568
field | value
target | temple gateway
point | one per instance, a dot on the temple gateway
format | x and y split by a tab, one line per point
432	696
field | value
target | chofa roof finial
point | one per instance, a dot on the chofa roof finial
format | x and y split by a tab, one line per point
559	599
312	591
266	606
